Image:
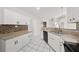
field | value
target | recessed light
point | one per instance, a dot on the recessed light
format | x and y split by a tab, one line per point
37	8
16	26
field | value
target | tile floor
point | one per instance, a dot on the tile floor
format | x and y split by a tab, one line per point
36	45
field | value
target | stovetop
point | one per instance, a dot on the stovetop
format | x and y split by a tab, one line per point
71	47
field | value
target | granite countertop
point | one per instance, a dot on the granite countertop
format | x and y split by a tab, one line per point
13	34
69	35
70	38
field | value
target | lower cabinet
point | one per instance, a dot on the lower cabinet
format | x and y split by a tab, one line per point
55	42
62	47
15	44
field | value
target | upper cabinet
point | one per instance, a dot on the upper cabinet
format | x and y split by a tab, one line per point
73	14
50	22
8	16
1	15
12	17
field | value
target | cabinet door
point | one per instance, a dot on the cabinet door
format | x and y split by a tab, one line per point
54	41
20	19
22	41
1	15
29	37
17	43
61	47
13	17
12	45
54	44
10	17
41	34
25	40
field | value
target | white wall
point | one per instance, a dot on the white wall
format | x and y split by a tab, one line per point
66	12
73	12
1	15
51	14
36	25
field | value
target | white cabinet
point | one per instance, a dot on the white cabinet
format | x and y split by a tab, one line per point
55	42
1	15
12	17
21	19
62	47
8	16
15	44
27	39
73	14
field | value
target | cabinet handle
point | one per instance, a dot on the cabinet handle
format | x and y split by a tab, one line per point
16	42
60	45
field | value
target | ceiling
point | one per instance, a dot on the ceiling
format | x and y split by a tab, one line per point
44	11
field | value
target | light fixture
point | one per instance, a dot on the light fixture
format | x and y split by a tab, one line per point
37	8
16	26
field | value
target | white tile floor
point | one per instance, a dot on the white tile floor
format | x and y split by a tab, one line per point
36	45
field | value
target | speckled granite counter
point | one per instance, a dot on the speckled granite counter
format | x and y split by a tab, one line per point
13	34
67	37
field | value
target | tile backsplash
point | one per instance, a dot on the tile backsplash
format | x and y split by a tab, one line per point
12	28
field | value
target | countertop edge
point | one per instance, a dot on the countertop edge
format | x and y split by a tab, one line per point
19	33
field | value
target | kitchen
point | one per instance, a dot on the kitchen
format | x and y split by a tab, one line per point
39	29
